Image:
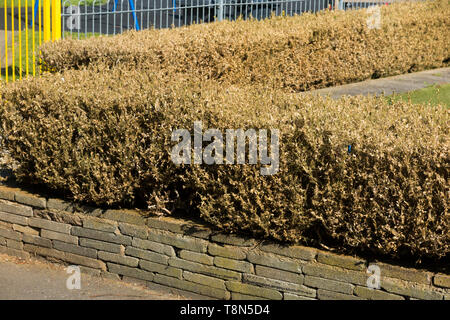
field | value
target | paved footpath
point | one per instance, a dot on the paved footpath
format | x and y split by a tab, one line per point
390	85
34	279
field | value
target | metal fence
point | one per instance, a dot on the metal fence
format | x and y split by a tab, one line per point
84	18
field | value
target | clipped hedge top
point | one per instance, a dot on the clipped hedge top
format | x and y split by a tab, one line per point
295	53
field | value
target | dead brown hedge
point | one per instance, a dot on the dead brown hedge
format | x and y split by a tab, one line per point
105	138
295	53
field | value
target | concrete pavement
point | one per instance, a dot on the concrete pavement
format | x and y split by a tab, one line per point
397	84
34	279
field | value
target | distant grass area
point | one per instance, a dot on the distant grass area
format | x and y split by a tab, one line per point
20	56
434	94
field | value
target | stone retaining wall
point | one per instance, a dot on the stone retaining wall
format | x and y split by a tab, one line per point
189	257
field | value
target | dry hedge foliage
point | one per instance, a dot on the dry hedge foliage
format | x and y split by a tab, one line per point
295	53
107	140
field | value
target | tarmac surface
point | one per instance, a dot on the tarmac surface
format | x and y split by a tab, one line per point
387	86
34	279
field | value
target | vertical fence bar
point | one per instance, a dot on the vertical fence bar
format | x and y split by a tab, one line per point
13	56
47	30
39	30
56	20
20	40
26	39
33	37
220	11
6	41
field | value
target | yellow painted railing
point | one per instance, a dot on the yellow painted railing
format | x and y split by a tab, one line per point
19	56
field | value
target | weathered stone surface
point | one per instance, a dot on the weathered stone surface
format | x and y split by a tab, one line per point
59	236
18	245
74	219
130	272
154	246
291	296
233	240
89	271
6	225
15	208
374	294
36	240
226	251
331	295
13	218
204	269
342	261
277	284
103	246
2	241
30	199
25	229
172	290
147	255
278	274
7	193
330	285
134	281
408	274
87	210
65	256
165	223
335	273
297	252
100	224
240	296
10	234
101	235
237	265
81	251
442	280
205	280
161	268
410	289
179	241
178	225
270	260
196	257
50	225
252	290
127	216
193	287
60	205
111	276
133	230
117	258
13	252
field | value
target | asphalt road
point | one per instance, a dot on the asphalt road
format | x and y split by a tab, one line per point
33	279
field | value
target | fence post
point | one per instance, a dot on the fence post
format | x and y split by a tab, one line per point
56	20
220	11
47	24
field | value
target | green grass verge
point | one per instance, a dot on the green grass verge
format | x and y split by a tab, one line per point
20	56
434	95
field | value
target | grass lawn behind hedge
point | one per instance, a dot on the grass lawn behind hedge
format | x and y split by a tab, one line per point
434	94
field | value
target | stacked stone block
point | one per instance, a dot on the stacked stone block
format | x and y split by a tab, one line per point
155	251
